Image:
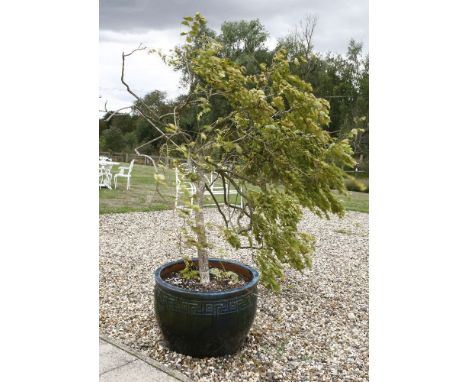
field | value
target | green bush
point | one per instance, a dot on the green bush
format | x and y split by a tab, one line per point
359	185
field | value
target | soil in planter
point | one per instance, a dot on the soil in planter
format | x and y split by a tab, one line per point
216	284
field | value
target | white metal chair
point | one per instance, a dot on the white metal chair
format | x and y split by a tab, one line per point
216	189
124	172
105	175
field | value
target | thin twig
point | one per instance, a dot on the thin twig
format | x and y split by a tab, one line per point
217	205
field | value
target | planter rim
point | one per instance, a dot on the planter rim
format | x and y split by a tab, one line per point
159	280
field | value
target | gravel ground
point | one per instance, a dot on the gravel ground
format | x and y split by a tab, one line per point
316	329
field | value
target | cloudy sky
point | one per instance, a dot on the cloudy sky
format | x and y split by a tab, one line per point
124	24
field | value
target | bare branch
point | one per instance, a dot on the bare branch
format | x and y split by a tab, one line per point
116	112
217	205
250	247
140	47
238	189
122	79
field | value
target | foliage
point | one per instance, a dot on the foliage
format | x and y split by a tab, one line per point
268	142
354	184
220	274
244	43
189	272
342	80
242	37
112	138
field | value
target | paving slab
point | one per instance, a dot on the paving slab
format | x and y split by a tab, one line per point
118	363
136	371
111	357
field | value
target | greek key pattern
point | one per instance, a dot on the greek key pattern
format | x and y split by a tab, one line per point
167	301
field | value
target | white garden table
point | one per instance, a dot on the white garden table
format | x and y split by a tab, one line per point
105	173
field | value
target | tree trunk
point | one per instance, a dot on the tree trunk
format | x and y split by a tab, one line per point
201	233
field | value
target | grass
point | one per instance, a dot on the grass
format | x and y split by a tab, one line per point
143	195
356	201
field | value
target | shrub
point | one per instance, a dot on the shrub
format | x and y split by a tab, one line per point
359	185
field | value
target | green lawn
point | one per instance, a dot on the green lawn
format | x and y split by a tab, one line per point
356	201
143	195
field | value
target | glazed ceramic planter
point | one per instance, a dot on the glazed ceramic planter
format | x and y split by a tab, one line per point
205	324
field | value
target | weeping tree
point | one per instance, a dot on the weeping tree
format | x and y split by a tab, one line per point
269	144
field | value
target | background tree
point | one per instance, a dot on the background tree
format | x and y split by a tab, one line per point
342	80
244	43
299	46
112	139
144	132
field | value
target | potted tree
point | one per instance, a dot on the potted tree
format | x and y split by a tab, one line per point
261	134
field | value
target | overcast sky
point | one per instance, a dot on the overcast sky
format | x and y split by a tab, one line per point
156	23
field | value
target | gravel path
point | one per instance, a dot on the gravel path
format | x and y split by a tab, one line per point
315	330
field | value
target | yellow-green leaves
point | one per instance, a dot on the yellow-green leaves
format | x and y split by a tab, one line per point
159	177
171	128
354	132
278	103
268	130
189	272
182	149
238	148
232	238
204	105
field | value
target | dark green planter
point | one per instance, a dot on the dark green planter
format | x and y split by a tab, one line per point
205	324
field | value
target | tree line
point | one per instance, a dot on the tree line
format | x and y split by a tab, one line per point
341	79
